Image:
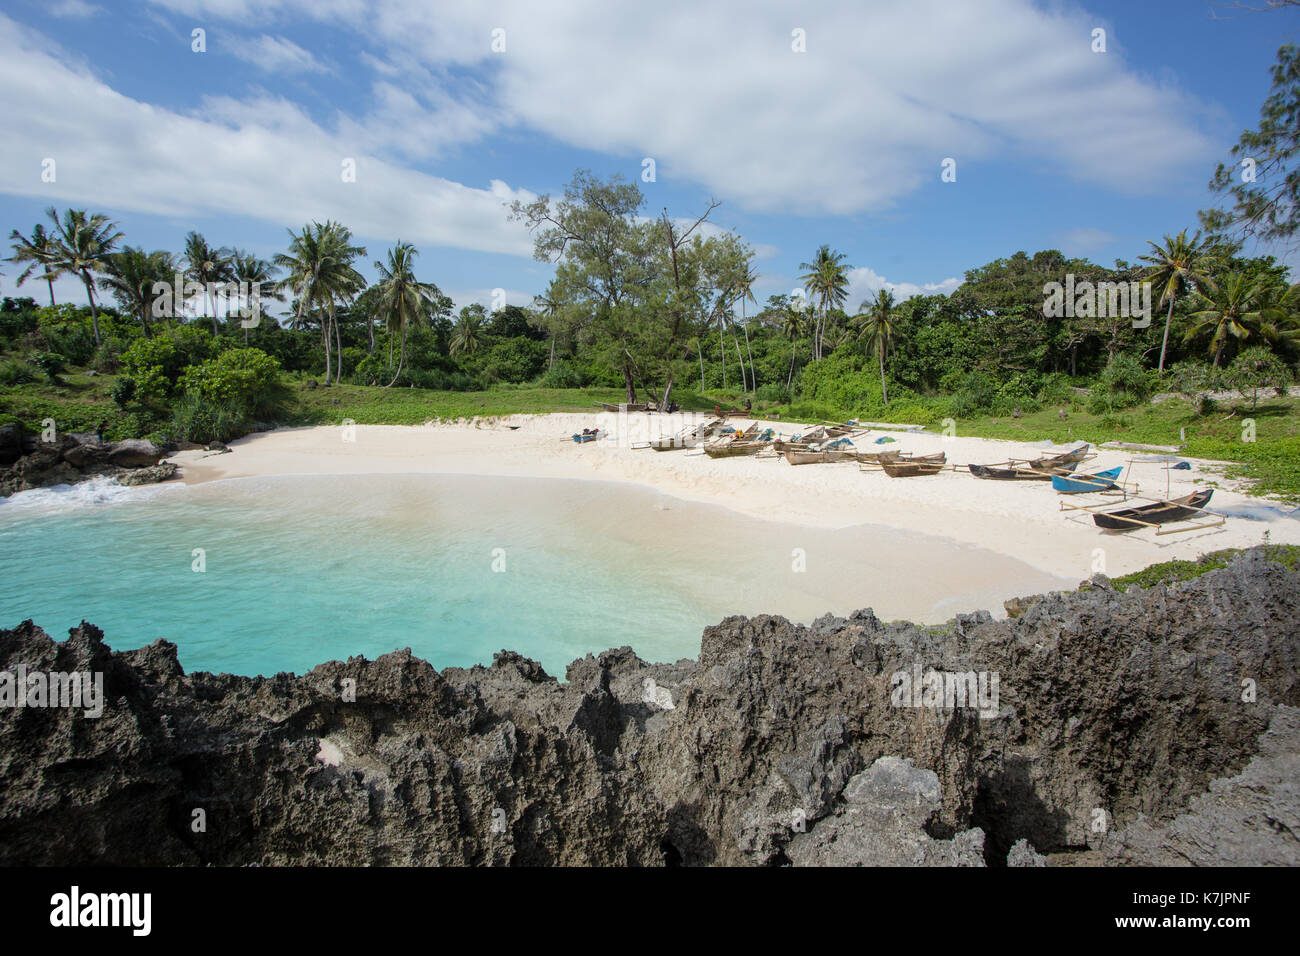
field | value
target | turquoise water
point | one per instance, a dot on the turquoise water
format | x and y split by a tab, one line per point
300	570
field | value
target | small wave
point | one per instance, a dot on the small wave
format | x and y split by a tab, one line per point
96	492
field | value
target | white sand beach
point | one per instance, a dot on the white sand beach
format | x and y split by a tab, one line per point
1019	519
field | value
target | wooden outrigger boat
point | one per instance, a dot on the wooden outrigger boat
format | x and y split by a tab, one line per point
818	456
914	467
879	458
739	444
1037	469
1159	513
1077	483
689	439
630	406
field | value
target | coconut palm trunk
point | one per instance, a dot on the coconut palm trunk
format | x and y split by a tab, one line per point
880	353
1164	341
94	312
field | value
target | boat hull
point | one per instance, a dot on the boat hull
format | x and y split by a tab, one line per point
1162	512
1079	484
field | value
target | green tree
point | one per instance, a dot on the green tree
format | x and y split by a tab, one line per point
256	274
745	280
132	275
1255	368
402	298
1173	268
876	327
1264	182
466	334
82	244
794	325
40	251
827	280
206	264
1230	309
320	274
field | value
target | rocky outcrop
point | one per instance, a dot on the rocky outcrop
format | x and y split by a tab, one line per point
73	457
1130	728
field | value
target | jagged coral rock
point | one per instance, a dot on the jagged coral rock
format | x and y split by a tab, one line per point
1111	706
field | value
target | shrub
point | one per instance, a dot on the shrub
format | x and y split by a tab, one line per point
16	372
245	379
1123	383
776	392
1258	368
108	357
157	363
515	360
51	364
199	419
123	391
564	374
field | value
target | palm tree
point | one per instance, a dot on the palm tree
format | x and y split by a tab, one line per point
1180	262
256	273
464	338
548	303
39	249
132	275
793	325
826	279
319	273
1231	310
82	244
876	327
1280	304
745	289
205	264
402	298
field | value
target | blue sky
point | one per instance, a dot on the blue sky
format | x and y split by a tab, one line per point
1056	145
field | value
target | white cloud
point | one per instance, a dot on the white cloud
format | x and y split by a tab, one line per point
856	123
73	9
865	282
275	55
265	159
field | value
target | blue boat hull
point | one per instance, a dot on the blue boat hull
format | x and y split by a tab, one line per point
1076	485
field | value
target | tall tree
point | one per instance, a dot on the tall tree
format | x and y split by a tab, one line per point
827	280
466	334
206	264
745	290
793	326
1174	267
131	277
82	245
877	329
320	274
256	274
1229	310
1264	183
548	304
40	250
402	297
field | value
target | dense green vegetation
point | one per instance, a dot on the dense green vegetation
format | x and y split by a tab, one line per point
1170	572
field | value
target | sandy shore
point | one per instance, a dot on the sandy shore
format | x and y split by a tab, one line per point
1021	519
